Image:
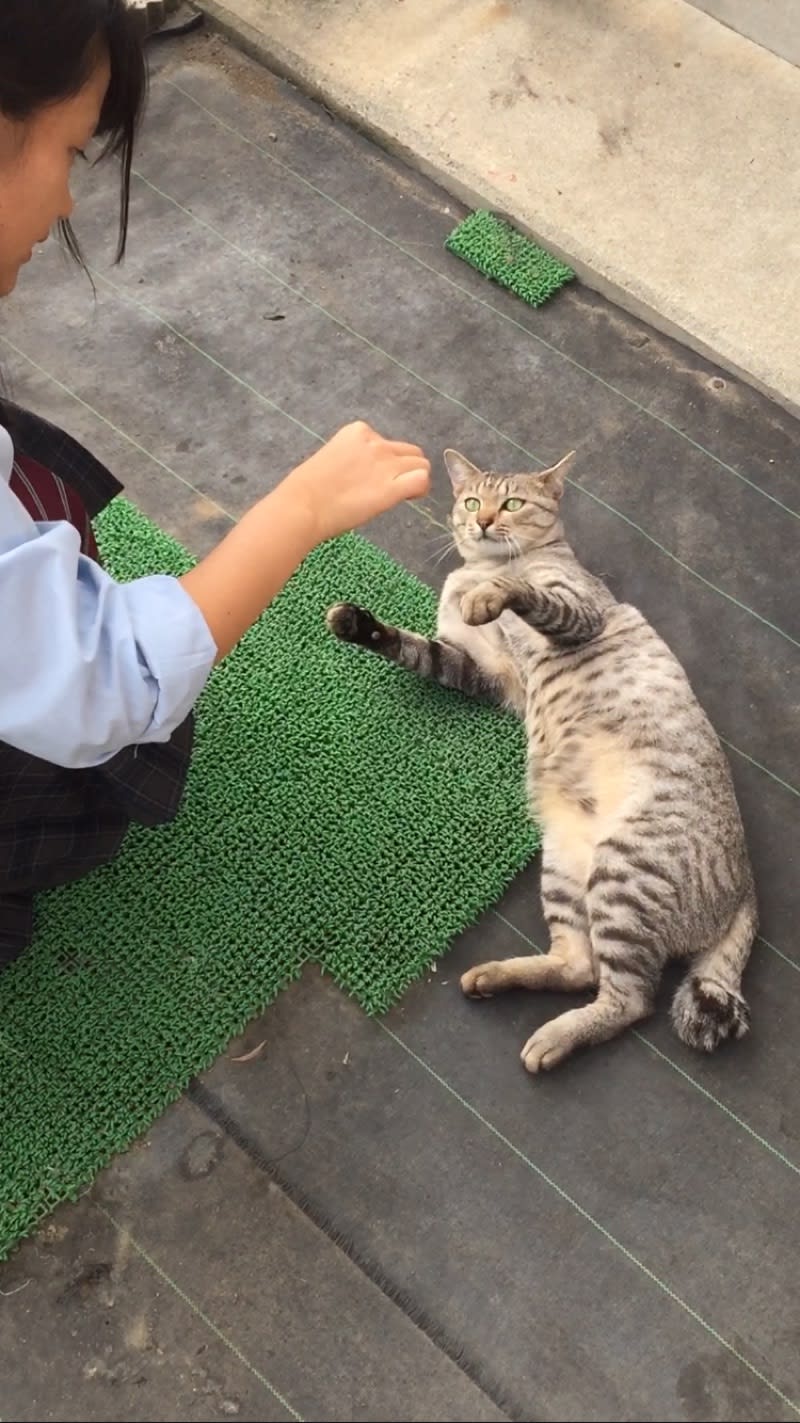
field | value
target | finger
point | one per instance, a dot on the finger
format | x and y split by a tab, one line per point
404	464
414	483
400	447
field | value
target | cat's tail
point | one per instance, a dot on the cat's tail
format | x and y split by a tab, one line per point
709	1006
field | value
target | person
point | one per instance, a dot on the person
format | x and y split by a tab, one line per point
98	679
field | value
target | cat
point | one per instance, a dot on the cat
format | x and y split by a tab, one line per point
643	849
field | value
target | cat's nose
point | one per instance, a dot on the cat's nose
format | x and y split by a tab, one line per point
485	521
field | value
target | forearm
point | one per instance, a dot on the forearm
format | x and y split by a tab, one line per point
235	583
565	613
560	611
355	476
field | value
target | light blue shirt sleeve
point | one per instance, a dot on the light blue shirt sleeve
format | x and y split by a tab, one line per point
88	666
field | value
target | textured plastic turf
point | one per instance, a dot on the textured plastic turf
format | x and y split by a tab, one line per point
491	245
338	810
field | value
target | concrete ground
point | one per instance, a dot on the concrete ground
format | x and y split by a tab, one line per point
775	24
389	1219
651	146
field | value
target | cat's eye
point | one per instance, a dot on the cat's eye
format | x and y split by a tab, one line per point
472	505
512	505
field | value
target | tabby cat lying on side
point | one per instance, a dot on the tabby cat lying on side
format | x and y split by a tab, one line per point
643	856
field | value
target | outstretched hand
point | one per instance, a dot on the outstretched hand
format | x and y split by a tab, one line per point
356	476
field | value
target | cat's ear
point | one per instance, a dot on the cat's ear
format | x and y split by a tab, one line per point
553	479
459	469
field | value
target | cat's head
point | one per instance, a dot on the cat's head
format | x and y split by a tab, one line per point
504	515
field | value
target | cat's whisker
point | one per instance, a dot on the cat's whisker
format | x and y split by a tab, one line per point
442	554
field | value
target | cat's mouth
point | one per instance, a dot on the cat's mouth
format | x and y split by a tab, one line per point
492	535
490	542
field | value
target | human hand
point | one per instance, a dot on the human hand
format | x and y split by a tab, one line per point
356	476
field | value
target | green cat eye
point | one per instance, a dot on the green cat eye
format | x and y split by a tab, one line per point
512	505
472	505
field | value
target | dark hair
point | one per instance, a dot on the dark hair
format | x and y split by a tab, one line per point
48	49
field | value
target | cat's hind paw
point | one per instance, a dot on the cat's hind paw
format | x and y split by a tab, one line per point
481	981
550	1045
706	1014
353	624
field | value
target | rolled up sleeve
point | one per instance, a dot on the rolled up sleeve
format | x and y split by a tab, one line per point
89	666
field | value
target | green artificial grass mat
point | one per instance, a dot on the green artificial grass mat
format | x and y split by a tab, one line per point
338	810
491	245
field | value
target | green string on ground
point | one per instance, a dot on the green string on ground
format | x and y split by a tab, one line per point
338	811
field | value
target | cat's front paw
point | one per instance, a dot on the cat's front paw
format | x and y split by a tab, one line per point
482	604
353	624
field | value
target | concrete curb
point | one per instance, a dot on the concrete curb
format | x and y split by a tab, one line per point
631	292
